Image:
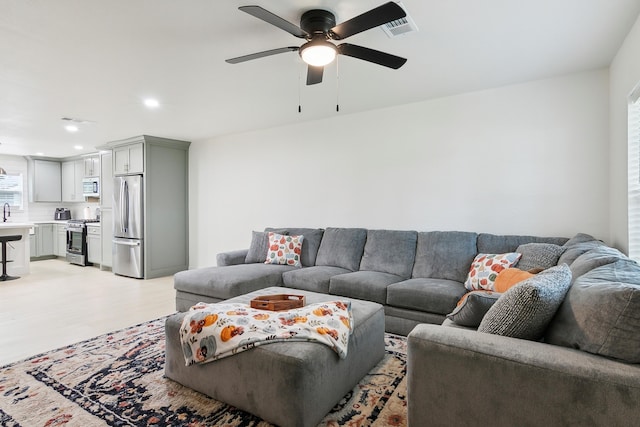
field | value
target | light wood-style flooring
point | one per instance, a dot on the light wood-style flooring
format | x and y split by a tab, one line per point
59	304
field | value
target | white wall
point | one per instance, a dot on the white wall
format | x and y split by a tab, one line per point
624	76
524	159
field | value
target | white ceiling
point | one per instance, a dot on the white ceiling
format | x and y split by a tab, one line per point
97	60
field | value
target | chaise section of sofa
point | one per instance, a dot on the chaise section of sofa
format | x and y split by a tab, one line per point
584	371
459	377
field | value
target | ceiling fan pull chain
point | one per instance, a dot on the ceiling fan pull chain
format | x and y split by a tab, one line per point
337	85
299	90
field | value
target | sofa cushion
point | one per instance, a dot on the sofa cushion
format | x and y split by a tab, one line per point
486	267
424	294
342	247
390	251
230	281
315	279
539	255
497	244
594	258
444	254
525	310
472	308
258	247
366	285
600	314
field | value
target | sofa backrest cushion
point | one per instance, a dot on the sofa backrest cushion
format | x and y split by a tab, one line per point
594	258
576	246
258	248
497	244
342	247
600	313
390	251
445	254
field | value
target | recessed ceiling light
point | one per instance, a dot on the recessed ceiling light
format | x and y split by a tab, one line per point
151	103
78	147
71	128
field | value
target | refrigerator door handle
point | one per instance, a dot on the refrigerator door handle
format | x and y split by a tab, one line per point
126	242
126	207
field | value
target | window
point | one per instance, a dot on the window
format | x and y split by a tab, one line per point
634	174
11	190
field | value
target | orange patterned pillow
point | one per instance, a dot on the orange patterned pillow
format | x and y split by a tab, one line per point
509	277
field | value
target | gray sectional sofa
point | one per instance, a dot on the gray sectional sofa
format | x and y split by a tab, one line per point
417	276
583	371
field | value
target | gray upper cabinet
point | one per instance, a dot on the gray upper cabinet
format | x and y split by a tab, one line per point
44	182
72	174
128	159
92	166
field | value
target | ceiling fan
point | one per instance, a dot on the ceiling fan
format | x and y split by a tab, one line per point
318	27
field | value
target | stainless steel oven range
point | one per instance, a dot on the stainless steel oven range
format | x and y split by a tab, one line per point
77	241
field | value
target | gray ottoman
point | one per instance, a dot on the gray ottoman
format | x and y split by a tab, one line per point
287	384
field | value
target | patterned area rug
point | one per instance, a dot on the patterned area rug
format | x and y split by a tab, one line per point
117	380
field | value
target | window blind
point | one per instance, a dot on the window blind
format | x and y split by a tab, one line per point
11	190
634	175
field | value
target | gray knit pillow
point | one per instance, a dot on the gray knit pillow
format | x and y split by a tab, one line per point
538	255
526	309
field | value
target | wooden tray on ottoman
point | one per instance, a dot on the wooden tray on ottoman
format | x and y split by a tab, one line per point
278	302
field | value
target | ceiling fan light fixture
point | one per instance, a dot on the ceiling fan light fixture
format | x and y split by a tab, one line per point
318	53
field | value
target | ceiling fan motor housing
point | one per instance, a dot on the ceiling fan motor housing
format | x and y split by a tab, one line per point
317	21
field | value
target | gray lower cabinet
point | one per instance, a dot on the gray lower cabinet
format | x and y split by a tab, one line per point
61	241
41	242
94	248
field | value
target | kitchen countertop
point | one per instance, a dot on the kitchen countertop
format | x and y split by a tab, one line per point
10	224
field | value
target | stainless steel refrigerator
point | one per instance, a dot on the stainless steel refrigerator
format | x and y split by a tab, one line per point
128	222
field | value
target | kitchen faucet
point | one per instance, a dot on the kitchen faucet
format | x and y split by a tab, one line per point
6	212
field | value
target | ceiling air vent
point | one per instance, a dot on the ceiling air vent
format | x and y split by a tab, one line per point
400	26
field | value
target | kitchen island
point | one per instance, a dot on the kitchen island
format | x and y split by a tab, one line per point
18	252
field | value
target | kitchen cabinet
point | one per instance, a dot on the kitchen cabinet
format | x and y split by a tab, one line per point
72	174
45	181
45	239
92	166
106	235
41	241
106	180
128	159
61	241
94	248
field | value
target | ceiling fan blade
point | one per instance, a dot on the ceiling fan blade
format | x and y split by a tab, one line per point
375	17
275	20
261	54
371	55
314	75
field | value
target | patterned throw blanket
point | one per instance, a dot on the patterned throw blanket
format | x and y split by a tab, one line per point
213	331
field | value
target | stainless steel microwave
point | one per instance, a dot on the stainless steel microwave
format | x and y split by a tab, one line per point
91	187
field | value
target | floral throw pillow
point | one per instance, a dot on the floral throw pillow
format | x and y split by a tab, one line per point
284	250
485	268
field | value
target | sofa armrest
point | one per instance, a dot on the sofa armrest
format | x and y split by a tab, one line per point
463	377
231	257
